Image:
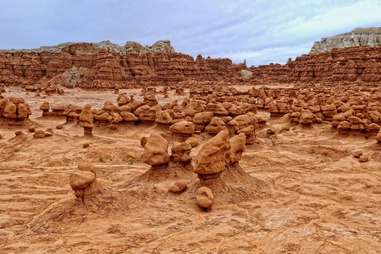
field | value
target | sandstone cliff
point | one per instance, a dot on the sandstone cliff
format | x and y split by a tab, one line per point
359	37
107	65
362	64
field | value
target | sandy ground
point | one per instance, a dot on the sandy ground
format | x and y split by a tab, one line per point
323	199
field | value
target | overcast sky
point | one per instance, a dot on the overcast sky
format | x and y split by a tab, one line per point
260	31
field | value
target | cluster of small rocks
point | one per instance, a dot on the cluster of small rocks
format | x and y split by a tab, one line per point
14	110
214	156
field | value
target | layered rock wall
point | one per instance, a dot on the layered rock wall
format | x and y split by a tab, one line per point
362	64
106	65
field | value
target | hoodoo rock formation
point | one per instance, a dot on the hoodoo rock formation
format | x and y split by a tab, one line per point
84	182
14	110
210	161
155	150
86	120
287	157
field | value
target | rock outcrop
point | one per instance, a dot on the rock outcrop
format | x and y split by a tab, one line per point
349	57
358	37
354	64
107	65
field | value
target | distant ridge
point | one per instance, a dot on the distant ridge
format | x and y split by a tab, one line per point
161	46
370	37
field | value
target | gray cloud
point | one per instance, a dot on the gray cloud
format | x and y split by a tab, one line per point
260	31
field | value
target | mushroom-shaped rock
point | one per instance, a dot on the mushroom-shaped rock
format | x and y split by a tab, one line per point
23	111
123	99
10	111
249	132
344	126
86	120
132	106
240	122
71	113
203	117
262	118
45	107
193	141
115	118
204	198
150	99
211	157
83	182
155	150
182	127
128	116
306	117
356	123
102	116
58	110
189	111
216	125
110	107
237	147
236	110
336	119
217	109
181	152
146	113
198	105
163	117
178	112
373	128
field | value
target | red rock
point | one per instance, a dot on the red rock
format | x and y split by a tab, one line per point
88	66
339	65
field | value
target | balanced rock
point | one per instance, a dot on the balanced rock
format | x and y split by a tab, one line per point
83	182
